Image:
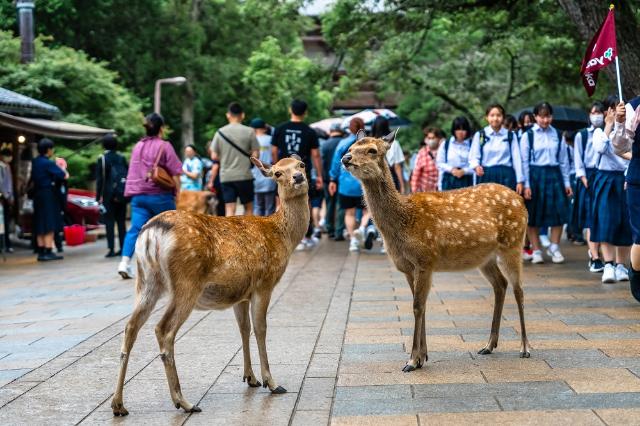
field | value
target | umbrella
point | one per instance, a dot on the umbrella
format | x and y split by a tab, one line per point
369	115
325	125
565	118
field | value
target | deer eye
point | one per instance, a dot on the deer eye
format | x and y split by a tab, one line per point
278	174
301	165
372	151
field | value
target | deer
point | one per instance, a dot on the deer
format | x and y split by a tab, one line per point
207	262
477	227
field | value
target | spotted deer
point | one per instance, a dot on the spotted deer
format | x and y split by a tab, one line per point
207	262
478	227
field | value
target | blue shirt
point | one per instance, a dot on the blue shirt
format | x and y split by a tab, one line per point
44	172
545	152
191	165
495	151
584	155
455	157
262	184
606	158
348	185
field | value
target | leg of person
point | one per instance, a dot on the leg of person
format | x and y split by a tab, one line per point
7	224
622	258
350	223
534	237
270	203
330	216
140	214
554	247
120	215
259	208
109	225
609	254
595	262
340	220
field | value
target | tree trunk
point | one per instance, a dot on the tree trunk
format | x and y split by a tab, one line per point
589	15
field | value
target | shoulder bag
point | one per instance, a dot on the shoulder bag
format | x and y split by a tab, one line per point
159	174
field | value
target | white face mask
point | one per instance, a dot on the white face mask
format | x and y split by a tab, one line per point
596	119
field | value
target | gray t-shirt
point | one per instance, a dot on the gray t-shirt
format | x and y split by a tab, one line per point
233	165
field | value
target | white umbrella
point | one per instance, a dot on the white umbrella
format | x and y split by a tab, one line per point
325	125
369	115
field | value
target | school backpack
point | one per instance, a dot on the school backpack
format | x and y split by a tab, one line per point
484	138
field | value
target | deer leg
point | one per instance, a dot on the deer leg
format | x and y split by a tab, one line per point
421	287
423	338
176	314
145	301
492	273
259	306
511	266
241	311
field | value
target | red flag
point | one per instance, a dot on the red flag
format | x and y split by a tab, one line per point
601	51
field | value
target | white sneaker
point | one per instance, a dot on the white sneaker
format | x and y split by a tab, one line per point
383	249
556	256
311	242
359	236
537	258
527	254
609	274
622	273
125	270
545	241
354	245
301	246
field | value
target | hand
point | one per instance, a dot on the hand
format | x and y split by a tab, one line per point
457	172
568	191
319	183
527	193
621	113
479	171
332	188
519	188
610	117
585	182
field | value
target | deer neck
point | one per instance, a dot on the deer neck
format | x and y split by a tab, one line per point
293	217
384	202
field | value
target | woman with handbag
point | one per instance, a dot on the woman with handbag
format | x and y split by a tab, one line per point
153	183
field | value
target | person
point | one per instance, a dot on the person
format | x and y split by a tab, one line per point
62	192
147	197
425	172
547	183
6	194
494	153
264	188
611	226
525	121
626	140
111	176
511	123
232	146
574	233
192	170
47	218
453	157
327	149
296	137
349	188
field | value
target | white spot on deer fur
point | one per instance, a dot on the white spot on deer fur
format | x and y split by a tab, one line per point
514	202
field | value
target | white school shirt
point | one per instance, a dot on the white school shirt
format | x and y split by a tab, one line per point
608	160
624	133
545	150
571	156
496	151
456	157
589	160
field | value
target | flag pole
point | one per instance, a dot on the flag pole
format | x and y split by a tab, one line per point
611	7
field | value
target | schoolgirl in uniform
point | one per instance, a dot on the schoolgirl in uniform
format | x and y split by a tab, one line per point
494	153
610	226
585	159
453	157
547	186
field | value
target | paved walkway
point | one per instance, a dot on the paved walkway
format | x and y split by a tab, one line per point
339	328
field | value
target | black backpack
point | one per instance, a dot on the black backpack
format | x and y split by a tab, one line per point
116	179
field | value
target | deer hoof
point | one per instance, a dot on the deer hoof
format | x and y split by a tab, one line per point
525	354
279	390
408	368
119	410
193	409
484	351
257	383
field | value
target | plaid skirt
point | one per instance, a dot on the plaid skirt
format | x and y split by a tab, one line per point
582	206
549	205
449	181
503	175
610	214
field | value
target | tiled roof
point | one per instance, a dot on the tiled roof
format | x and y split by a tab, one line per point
17	104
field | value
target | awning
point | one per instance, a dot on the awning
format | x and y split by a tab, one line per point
59	129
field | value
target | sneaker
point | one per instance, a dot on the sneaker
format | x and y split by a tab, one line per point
537	258
634	284
311	242
9	250
383	249
339	237
527	254
358	235
317	233
125	270
579	242
110	254
45	257
609	273
301	246
597	265
354	245
370	237
622	273
556	256
545	241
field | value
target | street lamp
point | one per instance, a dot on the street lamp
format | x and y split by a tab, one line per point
173	80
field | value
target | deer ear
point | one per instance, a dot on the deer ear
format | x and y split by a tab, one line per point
390	137
265	169
295	157
361	134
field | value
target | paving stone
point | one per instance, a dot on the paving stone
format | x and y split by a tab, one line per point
377	420
577	401
527	418
415	405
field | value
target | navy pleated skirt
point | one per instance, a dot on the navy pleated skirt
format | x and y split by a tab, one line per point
633	203
503	175
610	214
582	205
549	205
449	181
47	215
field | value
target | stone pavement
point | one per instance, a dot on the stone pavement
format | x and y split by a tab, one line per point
340	326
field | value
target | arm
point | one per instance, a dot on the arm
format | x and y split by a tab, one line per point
418	170
398	170
317	163
215	168
474	151
622	135
99	182
578	161
565	167
524	158
274	146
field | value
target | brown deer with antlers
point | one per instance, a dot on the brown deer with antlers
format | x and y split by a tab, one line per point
479	227
206	262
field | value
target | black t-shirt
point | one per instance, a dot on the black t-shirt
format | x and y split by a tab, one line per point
295	138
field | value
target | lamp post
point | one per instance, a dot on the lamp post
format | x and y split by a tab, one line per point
25	19
156	98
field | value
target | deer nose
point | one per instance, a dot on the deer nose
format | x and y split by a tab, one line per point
298	178
346	158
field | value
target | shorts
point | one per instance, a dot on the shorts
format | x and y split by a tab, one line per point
242	189
347	202
315	196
